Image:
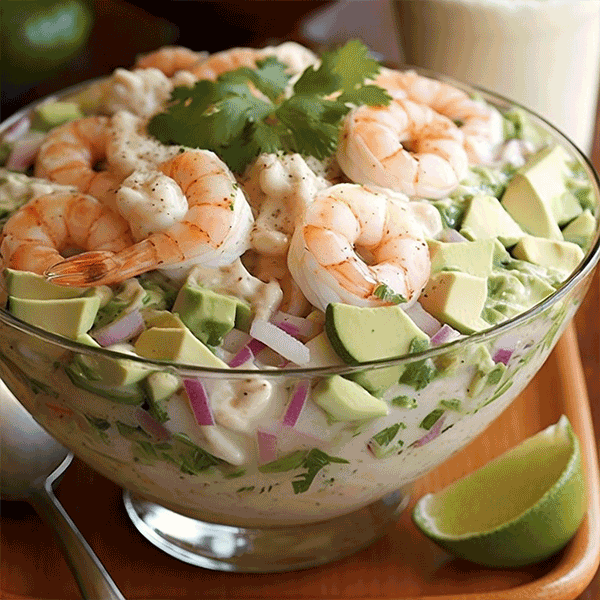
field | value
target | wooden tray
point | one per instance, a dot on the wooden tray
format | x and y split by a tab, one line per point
402	565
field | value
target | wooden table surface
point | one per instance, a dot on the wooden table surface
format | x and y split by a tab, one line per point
248	29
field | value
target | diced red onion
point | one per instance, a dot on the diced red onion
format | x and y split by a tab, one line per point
256	346
243	356
199	401
24	151
432	433
313	424
17	130
450	235
267	445
299	397
444	335
234	340
280	341
502	355
151	425
122	329
422	319
295	326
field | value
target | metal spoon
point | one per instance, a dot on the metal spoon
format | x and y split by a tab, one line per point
32	461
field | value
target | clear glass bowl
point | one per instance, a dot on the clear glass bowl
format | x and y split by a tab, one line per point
332	492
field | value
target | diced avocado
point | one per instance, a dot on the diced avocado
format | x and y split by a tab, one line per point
565	208
554	254
111	371
31	286
70	317
322	353
457	299
209	315
51	114
177	345
537	196
485	218
161	385
475	258
127	394
345	400
581	229
362	334
164	319
243	314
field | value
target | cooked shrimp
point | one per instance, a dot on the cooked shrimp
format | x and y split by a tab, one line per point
404	146
34	236
480	123
170	59
346	223
214	231
71	152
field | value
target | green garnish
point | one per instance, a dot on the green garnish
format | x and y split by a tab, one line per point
387	435
315	460
227	117
385	293
430	420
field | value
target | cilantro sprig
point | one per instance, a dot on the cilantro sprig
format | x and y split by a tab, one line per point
228	117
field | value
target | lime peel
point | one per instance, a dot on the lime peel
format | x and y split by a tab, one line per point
518	509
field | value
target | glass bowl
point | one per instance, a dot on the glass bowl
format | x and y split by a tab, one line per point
328	487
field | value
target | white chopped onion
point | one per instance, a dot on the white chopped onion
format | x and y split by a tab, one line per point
450	235
296	326
280	341
123	329
423	320
199	401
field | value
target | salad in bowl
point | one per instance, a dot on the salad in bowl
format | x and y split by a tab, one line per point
265	290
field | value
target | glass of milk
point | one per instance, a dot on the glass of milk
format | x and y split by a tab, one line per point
544	54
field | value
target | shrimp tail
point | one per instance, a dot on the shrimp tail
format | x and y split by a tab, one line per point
85	269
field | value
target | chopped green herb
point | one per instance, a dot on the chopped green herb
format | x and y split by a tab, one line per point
387	435
385	293
452	404
430	420
285	463
404	402
315	461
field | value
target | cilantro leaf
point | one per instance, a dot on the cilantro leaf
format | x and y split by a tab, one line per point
387	294
315	461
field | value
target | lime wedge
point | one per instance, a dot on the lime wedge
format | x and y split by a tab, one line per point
518	509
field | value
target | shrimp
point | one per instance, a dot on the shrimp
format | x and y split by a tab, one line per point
372	149
214	231
170	59
480	123
34	236
342	225
71	152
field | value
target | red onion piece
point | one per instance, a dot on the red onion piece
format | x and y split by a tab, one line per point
450	235
296	326
267	445
199	401
126	327
280	341
234	340
502	355
151	425
432	433
444	335
422	319
243	356
17	130
299	397
24	151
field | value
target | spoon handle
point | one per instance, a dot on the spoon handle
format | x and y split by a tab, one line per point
92	578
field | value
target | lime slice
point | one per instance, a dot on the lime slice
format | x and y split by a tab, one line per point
518	509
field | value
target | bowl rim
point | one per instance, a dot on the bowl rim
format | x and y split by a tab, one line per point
584	268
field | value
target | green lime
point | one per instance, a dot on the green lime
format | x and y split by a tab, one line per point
518	509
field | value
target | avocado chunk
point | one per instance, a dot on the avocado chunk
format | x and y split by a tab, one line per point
161	385
581	229
475	258
69	317
345	400
322	353
31	286
51	114
457	299
362	334
485	218
552	254
209	315
111	371
537	196
164	319
177	345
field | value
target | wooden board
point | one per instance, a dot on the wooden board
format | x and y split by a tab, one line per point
402	565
